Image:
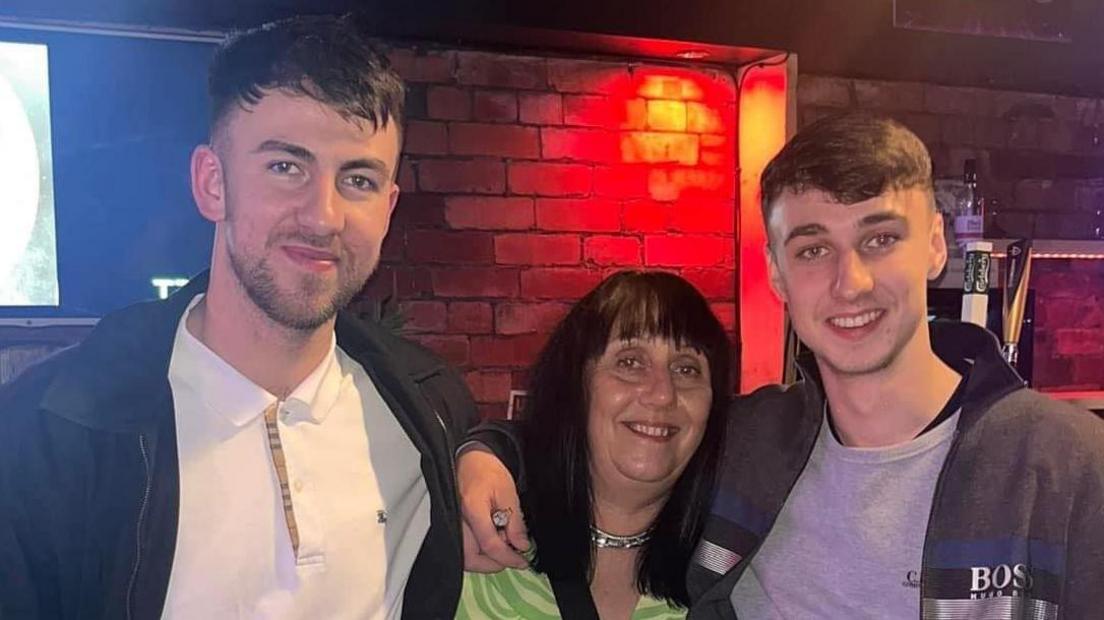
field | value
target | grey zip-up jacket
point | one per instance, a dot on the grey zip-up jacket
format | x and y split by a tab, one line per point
89	472
1016	528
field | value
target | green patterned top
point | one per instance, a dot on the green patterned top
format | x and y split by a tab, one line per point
527	595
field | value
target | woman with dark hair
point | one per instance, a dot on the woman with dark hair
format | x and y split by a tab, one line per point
622	435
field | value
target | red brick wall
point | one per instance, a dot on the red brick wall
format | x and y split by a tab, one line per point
527	179
1041	157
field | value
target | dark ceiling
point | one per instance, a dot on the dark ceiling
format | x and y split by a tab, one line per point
842	37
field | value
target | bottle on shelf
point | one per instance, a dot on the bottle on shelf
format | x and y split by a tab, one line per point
969	217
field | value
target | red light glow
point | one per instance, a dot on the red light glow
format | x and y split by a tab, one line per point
763	114
676	166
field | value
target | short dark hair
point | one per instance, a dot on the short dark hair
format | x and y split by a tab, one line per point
325	58
852	157
557	494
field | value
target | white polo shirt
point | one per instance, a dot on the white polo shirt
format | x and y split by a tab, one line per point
359	498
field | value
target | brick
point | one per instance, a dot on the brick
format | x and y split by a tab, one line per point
545	179
646	216
713	283
585	215
1089	196
1087	140
416	210
528	318
423	316
811	114
639	147
726	314
926	126
1088	371
448	103
380	285
1044	194
475	177
485	69
881	95
673	84
991	132
607	250
1024	134
421	65
703	216
588	145
492	411
823	91
1065	225
951	101
495	106
1083	312
587	76
1094	266
664	115
715	85
415	104
1058	136
393	247
1075	109
454	247
1058	285
592	111
1073	342
1013	105
1051	372
704	118
489	212
475	282
469	317
530	249
717	158
561	283
426	138
541	108
687	250
958	130
412	282
512	141
454	349
1016	163
489	387
635	114
985	104
1014	224
408	177
669	183
506	351
628	181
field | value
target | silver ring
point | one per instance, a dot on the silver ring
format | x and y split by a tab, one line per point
501	517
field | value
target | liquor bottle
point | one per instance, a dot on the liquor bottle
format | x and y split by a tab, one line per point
969	221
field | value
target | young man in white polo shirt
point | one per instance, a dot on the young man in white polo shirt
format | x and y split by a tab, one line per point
245	449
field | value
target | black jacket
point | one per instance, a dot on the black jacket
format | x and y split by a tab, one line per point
89	480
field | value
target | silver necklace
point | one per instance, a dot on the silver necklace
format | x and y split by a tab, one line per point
605	540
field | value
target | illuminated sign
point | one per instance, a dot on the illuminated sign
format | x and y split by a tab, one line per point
166	286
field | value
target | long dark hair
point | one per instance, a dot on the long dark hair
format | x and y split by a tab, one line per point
557	497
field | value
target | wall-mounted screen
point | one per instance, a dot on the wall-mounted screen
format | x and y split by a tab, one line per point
28	242
96	132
